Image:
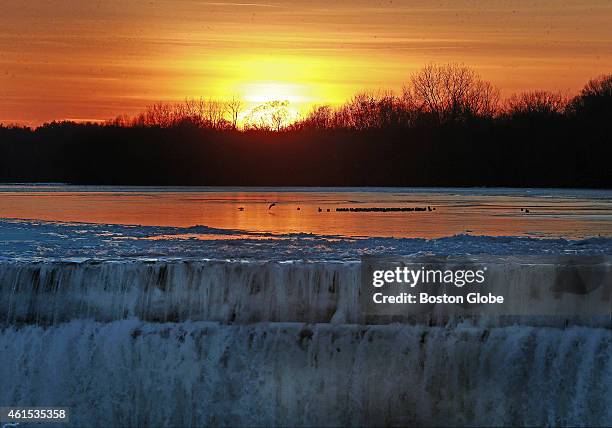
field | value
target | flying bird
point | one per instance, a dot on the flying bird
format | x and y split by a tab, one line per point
271	205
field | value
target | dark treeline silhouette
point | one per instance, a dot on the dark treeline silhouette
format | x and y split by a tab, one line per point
448	127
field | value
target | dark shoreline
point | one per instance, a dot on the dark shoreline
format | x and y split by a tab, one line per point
555	153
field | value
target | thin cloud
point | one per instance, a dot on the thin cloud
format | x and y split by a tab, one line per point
230	4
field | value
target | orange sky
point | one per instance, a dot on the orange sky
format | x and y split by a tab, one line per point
76	59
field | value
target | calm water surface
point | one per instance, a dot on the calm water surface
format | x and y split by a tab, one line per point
494	212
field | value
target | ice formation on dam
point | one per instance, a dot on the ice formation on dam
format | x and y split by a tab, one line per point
131	331
128	373
245	292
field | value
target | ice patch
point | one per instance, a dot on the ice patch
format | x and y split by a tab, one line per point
36	240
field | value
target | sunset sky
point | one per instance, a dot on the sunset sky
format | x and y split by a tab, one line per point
92	60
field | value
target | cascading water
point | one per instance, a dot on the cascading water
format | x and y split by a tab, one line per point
239	292
197	373
272	343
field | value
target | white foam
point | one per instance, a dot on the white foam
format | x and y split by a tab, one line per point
194	374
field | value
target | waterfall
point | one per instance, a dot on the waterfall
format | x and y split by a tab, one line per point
49	293
270	343
247	292
200	373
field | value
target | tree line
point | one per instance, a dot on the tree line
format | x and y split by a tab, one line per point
436	94
447	127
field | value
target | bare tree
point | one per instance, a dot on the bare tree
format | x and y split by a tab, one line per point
389	110
272	115
595	99
234	107
452	92
193	109
598	87
279	114
320	117
215	110
122	120
159	114
203	112
541	103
